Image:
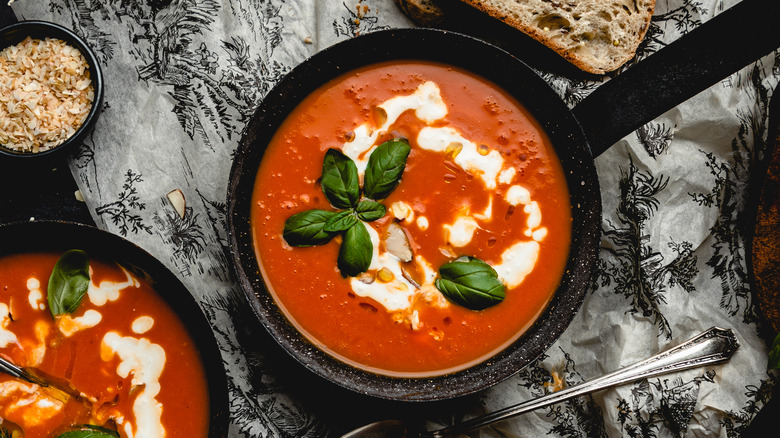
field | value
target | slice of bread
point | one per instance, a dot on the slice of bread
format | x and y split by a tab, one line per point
598	36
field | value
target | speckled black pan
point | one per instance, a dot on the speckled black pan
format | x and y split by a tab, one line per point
477	57
61	236
615	109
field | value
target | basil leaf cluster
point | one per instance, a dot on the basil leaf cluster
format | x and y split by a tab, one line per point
69	282
471	283
341	185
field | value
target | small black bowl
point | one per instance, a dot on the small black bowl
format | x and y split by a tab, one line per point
16	33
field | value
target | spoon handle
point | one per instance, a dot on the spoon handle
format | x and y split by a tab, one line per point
710	347
19	372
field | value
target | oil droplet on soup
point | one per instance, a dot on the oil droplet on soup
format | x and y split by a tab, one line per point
462	177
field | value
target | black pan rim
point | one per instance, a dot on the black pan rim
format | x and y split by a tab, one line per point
61	235
552	114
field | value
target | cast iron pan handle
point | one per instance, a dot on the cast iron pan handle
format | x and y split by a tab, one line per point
697	60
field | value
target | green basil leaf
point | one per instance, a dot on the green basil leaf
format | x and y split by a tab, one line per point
370	211
356	251
89	431
340	181
307	228
471	283
384	169
68	282
774	354
340	221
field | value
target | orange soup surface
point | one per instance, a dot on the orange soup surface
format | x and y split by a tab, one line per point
123	349
481	180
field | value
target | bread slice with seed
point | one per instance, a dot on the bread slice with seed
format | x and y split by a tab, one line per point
598	36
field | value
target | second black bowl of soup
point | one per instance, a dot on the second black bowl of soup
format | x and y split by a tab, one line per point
90	310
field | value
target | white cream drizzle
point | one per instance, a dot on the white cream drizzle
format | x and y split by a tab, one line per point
7	337
422	223
38	351
516	262
428	105
107	291
37	406
35	296
486	166
145	361
394	295
507	175
460	233
516	195
399	293
488	213
69	325
519	195
142	324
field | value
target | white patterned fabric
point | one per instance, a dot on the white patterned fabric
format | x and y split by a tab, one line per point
183	77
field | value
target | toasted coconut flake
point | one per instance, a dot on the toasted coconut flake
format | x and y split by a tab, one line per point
397	243
367	277
176	198
402	211
413	273
46	94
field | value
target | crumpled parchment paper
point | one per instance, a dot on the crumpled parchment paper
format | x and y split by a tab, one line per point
184	76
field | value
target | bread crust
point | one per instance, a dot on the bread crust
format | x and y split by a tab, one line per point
422	12
597	36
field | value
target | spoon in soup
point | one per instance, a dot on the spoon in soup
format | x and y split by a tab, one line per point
39	378
64	391
710	347
20	373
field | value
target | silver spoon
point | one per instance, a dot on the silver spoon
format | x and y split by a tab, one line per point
41	379
710	347
20	373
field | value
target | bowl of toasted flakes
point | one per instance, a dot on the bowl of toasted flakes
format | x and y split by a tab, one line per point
51	90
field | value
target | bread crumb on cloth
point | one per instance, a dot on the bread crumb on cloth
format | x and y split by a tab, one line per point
45	94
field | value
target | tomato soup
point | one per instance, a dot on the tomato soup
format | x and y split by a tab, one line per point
481	180
122	348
